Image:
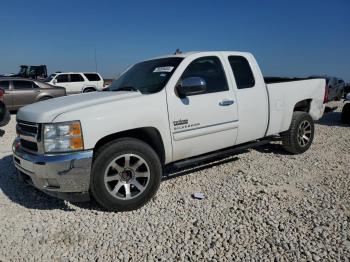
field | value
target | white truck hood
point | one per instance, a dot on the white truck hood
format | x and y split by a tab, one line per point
47	111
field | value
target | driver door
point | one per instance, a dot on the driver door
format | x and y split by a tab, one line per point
203	122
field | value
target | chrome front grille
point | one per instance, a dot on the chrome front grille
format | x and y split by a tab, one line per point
29	135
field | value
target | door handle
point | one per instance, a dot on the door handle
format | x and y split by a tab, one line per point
226	102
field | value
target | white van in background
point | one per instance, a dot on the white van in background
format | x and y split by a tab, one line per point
77	82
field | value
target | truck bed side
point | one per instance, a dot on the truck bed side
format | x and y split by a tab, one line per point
283	97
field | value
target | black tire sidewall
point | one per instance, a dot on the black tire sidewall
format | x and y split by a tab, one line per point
345	114
89	90
112	151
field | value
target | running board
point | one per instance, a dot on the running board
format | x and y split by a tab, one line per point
218	154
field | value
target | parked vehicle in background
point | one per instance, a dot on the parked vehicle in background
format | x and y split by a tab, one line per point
76	82
341	89
5	116
181	109
107	82
335	87
345	114
346	89
33	72
21	91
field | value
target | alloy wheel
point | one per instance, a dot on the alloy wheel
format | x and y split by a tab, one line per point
127	176
304	133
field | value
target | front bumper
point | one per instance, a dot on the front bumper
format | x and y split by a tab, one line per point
65	176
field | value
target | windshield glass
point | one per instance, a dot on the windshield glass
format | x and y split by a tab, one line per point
49	78
147	77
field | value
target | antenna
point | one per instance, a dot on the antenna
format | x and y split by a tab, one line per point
95	61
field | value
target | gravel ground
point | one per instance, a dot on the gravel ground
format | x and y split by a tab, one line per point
260	205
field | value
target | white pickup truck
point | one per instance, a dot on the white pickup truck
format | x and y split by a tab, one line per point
176	109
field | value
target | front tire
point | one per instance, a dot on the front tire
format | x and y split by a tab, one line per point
300	135
126	174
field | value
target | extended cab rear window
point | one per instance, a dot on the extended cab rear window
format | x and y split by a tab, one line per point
92	77
242	72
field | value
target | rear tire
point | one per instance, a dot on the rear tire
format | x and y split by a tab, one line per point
5	116
300	135
345	114
126	174
89	90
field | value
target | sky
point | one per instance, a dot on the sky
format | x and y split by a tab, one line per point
288	38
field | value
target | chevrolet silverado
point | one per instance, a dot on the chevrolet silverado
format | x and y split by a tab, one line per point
177	109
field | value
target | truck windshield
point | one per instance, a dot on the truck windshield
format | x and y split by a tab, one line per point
147	77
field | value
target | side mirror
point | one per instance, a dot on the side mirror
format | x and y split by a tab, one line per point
192	86
4	115
54	81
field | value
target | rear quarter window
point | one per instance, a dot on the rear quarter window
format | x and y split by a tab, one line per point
92	77
242	72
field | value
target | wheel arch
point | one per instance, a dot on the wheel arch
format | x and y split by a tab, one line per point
44	95
303	105
149	135
89	87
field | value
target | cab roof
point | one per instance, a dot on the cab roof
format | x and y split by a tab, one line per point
186	54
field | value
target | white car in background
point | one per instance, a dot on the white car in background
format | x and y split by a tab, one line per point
77	82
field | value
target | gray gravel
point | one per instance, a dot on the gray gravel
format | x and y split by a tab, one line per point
259	205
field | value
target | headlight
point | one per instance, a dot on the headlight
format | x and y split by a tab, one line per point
63	137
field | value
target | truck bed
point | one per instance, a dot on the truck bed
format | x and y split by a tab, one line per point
285	93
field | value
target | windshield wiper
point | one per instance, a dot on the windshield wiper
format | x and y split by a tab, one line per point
127	88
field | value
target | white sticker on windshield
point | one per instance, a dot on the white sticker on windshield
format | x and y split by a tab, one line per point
163	69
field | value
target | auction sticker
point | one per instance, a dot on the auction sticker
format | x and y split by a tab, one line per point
163	69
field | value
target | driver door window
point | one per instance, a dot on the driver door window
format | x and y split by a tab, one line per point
210	69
